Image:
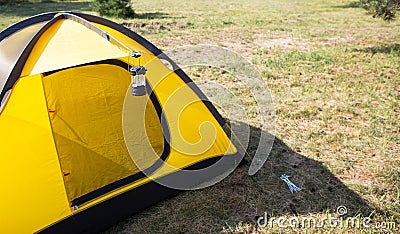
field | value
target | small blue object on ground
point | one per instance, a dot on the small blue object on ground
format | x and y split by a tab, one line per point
292	187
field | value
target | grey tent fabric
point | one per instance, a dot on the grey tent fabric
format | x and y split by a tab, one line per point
10	49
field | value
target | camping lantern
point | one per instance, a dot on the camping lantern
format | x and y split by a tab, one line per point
139	80
52	191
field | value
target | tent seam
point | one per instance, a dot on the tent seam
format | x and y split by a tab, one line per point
54	141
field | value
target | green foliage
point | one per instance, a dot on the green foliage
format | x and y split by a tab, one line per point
11	1
114	8
385	9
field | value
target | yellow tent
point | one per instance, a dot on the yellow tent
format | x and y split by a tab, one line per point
68	162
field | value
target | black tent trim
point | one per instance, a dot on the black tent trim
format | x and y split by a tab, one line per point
101	215
53	17
109	212
16	71
157	52
26	23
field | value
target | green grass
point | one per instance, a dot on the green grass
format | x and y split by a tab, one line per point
15	12
333	71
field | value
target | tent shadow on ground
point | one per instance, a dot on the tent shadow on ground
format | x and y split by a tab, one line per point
384	49
321	190
28	9
240	199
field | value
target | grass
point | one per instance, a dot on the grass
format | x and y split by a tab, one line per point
13	13
334	74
